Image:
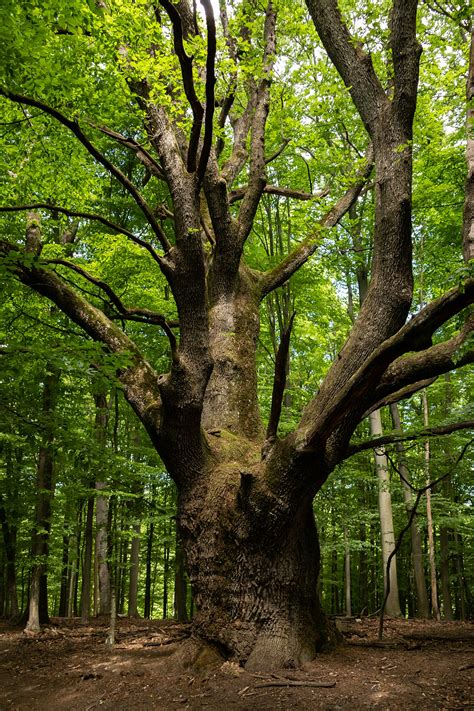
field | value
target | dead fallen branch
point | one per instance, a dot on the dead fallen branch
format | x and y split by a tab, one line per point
439	636
376	643
165	641
292	682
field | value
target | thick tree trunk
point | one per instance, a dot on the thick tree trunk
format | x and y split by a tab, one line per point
180	587
254	583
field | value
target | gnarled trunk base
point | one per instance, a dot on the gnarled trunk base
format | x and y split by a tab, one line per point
254	580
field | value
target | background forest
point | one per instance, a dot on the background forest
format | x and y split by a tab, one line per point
86	506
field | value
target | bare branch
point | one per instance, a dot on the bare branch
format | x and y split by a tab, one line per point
278	152
186	64
99	157
411	518
279	382
406	53
142	154
86	216
352	63
210	83
257	142
398	395
139	380
136	314
240	193
358	393
283	271
405	375
376	442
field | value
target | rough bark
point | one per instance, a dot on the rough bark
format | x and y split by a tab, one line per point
180	586
245	520
254	584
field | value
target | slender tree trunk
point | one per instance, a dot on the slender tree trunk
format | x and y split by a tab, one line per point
10	605
461	585
122	577
347	573
63	594
166	566
334	579
3	601
102	512
422	608
38	606
444	569
149	549
363	582
87	561
72	576
134	571
429	517
386	519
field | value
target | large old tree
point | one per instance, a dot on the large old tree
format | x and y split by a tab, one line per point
245	494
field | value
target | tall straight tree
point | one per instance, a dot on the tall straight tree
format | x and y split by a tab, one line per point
245	501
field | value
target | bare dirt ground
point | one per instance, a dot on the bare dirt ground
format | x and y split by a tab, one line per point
423	665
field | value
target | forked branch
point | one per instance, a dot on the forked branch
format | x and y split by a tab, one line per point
74	127
124	313
186	64
210	84
407	374
139	380
358	394
395	437
282	272
257	179
86	216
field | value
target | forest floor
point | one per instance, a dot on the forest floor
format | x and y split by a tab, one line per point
422	665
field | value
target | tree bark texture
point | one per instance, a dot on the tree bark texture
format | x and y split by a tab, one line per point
245	504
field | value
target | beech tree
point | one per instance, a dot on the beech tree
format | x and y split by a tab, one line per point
245	514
